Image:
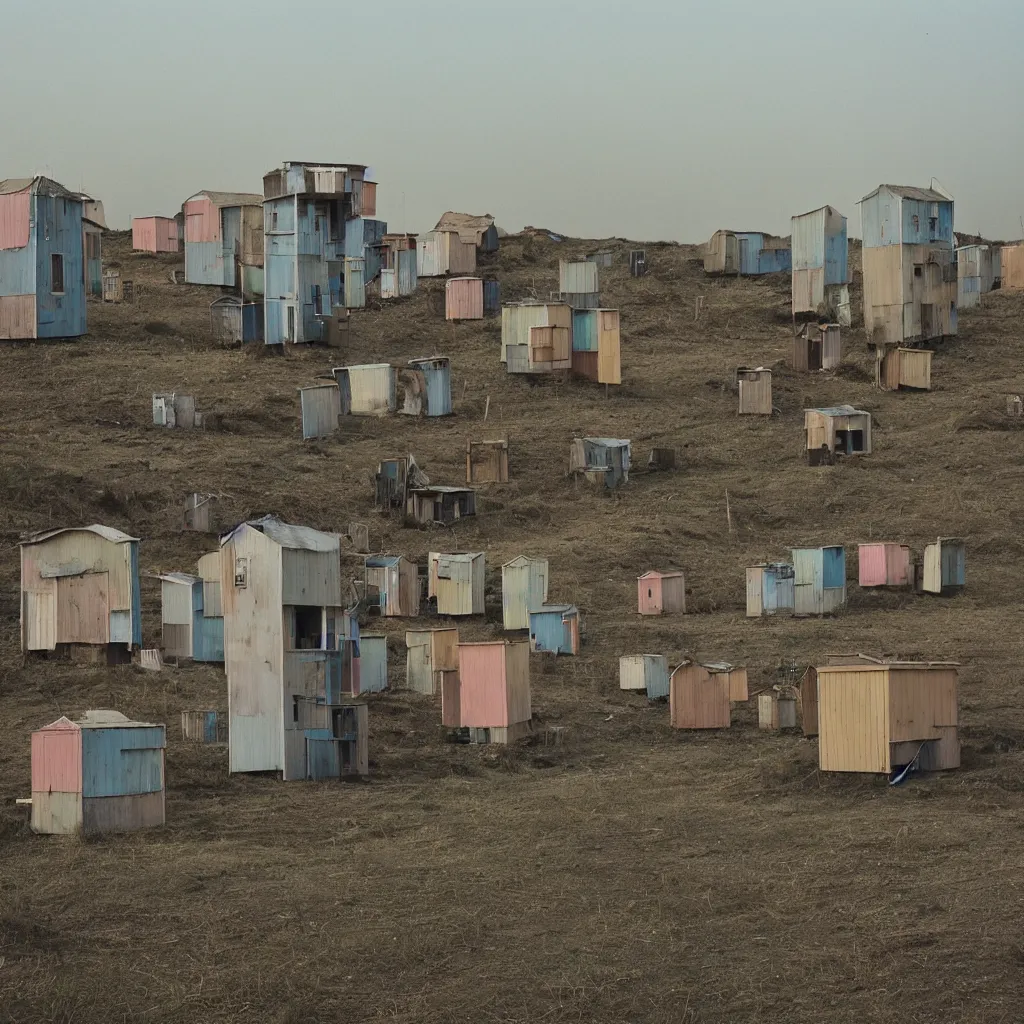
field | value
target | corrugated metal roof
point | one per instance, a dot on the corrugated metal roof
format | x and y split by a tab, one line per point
560	608
441	490
840	410
826	208
110	720
106	532
222	199
925	195
382	561
607	442
469	227
295	538
39	185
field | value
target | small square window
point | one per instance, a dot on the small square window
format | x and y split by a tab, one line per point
918	270
241	572
56	273
933	225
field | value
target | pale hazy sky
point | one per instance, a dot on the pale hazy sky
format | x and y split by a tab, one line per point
650	120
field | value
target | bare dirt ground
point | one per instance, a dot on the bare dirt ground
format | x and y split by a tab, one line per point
632	874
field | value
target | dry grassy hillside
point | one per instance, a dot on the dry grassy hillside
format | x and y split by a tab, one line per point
633	873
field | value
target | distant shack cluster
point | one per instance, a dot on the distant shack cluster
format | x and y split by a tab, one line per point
272	603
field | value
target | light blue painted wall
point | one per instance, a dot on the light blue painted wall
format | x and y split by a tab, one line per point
836	255
373	664
549	633
774	261
833	568
880	223
917	217
953	564
207	633
749	243
122	762
407	279
203	263
584	330
439	388
58	230
18	269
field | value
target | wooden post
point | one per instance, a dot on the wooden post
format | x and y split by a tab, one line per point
487	407
728	510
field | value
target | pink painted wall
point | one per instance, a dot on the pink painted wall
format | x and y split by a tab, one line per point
883	565
648	595
14	217
144	234
482	696
202	221
57	759
464	299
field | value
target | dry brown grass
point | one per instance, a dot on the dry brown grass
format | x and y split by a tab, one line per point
633	874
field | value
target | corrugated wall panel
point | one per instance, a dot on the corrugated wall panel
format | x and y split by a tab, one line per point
577	277
482	693
14	220
464	299
57	760
373	663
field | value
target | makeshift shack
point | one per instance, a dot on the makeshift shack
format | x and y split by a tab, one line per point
442	252
191	618
368	390
431	656
321	407
819	580
471	298
457	582
426	505
647	672
596	345
102	773
174	410
769	589
291	651
492	697
884	565
524	589
601	460
699	699
943	567
487	462
907	369
395	579
882	717
836	432
80	589
661	593
817	347
755	388
555	629
393	480
516	320
427	387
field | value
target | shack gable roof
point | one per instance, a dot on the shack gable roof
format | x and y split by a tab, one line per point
225	199
106	532
383	367
523	560
102	719
39	186
660	574
452	221
185	578
441	490
810	213
924	195
556	609
295	538
321	165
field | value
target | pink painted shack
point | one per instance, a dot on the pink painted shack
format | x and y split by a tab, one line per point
661	593
884	565
491	697
103	773
154	234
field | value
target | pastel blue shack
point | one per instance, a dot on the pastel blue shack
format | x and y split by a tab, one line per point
373	663
555	629
820	261
42	260
192	621
321	246
437	379
757	258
